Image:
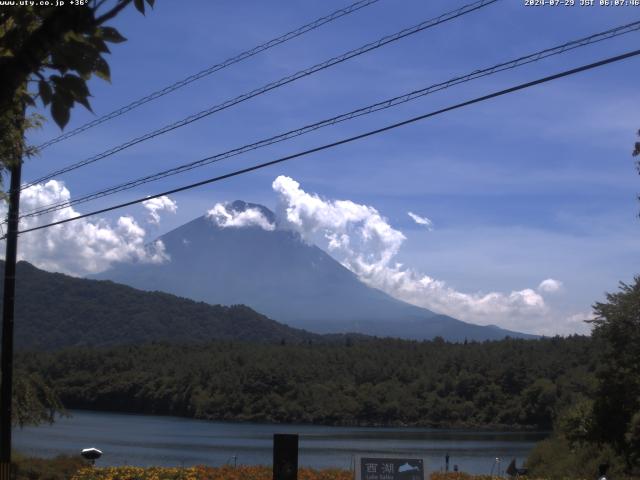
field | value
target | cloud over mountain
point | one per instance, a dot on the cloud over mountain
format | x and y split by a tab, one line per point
156	205
225	215
364	242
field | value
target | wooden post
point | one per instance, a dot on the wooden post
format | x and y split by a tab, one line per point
285	457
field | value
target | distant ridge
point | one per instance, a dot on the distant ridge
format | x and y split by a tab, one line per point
278	274
55	311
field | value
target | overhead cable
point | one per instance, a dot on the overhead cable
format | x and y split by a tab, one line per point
212	69
361	136
388	103
445	17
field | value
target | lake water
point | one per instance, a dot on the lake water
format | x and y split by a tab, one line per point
170	441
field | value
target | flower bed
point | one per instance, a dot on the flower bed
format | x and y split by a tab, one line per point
202	473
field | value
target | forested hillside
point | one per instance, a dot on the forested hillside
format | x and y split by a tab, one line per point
521	383
55	310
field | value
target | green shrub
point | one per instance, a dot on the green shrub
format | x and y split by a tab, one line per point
556	458
59	468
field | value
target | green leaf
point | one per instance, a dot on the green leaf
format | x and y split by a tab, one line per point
75	85
28	100
59	110
45	91
85	103
101	69
55	79
76	56
112	35
139	4
99	45
76	88
60	60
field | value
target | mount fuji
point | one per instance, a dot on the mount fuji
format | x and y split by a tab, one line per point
277	273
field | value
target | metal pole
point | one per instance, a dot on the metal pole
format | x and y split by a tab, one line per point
8	303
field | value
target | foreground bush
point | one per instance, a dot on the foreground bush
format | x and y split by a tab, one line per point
59	468
557	458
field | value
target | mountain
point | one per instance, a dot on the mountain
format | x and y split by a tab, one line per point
54	311
277	273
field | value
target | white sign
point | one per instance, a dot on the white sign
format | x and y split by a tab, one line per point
386	467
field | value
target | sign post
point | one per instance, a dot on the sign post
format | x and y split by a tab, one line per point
380	467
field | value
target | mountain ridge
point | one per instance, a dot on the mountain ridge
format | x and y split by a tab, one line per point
54	310
277	273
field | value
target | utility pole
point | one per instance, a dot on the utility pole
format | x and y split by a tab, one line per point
8	303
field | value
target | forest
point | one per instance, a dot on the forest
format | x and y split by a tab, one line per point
510	383
584	390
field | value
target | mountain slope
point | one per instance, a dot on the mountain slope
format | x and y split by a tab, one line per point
278	274
55	310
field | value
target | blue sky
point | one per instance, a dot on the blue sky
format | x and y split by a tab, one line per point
536	185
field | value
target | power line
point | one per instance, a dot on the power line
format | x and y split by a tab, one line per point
520	61
445	17
212	69
235	173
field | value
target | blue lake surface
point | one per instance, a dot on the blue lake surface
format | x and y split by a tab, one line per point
171	441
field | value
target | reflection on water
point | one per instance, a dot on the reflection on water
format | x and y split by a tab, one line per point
170	441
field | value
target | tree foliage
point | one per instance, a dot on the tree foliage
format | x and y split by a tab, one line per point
34	401
57	49
60	49
49	53
617	403
603	426
510	383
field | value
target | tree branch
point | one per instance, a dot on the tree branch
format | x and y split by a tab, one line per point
113	12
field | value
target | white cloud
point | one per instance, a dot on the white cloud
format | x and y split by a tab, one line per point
576	323
156	205
226	217
83	246
358	233
421	220
364	242
550	286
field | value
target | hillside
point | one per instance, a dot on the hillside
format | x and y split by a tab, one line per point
277	273
55	310
510	383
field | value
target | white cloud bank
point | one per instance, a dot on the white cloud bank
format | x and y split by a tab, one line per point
80	247
225	217
156	205
364	242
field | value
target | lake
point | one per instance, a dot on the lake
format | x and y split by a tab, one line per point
170	441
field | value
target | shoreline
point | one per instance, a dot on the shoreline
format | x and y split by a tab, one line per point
493	428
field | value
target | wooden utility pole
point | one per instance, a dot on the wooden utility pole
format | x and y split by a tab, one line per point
8	304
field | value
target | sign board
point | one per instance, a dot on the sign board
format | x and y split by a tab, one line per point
379	467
